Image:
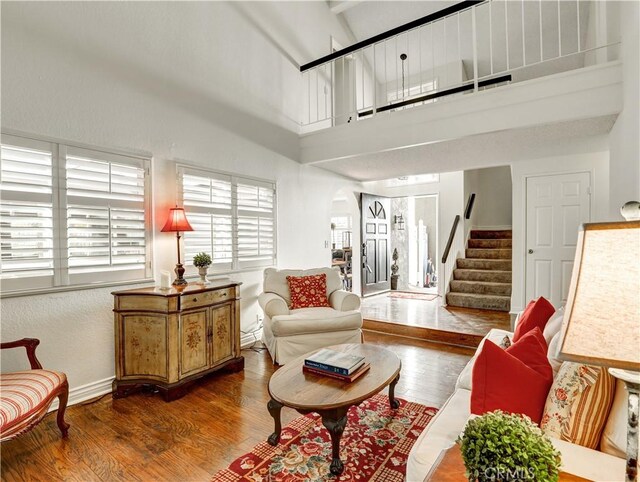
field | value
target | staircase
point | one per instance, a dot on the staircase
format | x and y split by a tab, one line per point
483	278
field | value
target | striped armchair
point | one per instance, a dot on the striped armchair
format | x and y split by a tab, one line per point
26	396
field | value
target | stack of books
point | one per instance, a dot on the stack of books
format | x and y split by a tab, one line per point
335	364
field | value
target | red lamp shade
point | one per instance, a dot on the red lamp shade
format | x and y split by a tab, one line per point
177	221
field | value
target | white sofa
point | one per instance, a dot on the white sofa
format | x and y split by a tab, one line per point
451	419
288	333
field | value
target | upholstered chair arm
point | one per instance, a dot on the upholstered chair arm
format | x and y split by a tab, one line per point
273	304
30	345
342	300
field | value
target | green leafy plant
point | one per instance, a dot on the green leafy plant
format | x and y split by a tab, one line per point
503	447
202	260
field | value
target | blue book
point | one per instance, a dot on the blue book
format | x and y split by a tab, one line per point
334	362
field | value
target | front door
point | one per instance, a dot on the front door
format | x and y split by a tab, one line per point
556	207
375	243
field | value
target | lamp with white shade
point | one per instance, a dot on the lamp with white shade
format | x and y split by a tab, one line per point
601	325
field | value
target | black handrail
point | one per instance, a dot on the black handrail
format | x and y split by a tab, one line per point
452	235
442	93
469	208
392	33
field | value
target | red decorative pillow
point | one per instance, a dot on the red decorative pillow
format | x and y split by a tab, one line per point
537	313
308	291
502	381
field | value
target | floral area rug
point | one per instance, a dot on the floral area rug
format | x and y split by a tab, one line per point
374	446
412	296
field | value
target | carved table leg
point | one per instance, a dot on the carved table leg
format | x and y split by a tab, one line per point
395	404
335	421
274	409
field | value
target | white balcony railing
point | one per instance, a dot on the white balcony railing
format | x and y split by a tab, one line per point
479	47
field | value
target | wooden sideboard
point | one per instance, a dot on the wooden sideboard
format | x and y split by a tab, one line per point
168	338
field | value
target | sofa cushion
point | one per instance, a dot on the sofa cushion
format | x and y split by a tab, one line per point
553	325
24	393
315	320
275	280
588	463
537	313
614	435
578	404
552	354
503	382
308	291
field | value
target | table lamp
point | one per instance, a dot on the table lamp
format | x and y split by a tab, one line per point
601	325
177	223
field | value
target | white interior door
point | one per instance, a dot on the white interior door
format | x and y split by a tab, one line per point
556	207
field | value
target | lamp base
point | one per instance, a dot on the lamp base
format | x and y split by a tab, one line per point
632	382
179	281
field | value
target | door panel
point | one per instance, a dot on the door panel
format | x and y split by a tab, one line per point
375	215
222	322
556	207
193	342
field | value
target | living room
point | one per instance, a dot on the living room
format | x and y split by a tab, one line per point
216	87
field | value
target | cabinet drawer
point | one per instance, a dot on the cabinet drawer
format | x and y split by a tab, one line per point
206	298
143	303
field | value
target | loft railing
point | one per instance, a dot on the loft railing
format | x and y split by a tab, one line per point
465	48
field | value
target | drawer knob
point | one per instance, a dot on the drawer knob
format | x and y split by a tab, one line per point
223	294
195	299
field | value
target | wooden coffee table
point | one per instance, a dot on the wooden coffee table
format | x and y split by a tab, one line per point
331	398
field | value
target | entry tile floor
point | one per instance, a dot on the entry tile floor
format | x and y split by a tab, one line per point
432	315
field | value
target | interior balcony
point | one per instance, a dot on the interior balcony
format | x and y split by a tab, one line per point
476	70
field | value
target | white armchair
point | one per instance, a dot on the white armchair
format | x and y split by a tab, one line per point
288	333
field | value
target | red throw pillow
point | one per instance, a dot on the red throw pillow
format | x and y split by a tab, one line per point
308	291
537	313
531	350
501	381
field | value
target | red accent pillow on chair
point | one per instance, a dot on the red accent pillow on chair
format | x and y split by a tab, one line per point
537	313
308	291
516	380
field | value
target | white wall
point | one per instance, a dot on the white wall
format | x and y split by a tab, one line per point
492	207
191	81
624	140
596	163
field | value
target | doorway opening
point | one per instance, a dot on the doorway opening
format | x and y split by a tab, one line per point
414	244
342	237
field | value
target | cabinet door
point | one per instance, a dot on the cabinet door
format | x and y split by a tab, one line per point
223	337
144	346
193	342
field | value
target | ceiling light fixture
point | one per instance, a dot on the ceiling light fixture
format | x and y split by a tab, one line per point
403	57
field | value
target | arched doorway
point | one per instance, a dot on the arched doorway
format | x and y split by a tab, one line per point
345	237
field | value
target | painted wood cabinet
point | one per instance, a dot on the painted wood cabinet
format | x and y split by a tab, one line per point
170	338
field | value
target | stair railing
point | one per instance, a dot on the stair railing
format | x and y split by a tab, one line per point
452	235
469	208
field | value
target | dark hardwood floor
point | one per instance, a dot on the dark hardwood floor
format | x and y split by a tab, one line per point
143	438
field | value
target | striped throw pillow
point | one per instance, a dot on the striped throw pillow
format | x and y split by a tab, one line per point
578	404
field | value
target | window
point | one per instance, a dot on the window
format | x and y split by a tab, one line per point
71	216
233	219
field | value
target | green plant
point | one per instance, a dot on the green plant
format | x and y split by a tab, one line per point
503	447
202	260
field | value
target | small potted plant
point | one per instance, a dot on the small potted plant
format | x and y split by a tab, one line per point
501	447
202	261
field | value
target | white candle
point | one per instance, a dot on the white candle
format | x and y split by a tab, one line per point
165	280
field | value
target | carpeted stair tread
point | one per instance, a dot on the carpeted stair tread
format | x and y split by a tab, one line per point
483	302
493	264
490	234
490	243
481	287
488	253
490	275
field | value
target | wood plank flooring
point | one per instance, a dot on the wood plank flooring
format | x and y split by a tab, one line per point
142	438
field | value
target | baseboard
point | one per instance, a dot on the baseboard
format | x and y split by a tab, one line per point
86	392
100	387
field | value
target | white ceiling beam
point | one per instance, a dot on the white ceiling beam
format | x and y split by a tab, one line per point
339	6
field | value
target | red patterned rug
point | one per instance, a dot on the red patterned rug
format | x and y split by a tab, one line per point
412	296
374	446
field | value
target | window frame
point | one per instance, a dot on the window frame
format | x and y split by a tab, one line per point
61	281
236	265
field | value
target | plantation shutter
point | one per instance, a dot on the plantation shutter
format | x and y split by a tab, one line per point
105	216
208	204
233	219
256	223
26	214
